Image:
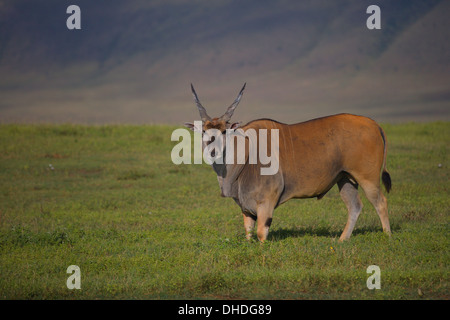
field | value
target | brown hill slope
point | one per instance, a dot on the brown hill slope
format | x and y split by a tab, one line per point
133	61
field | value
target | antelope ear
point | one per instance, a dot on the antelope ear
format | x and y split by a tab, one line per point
192	127
235	125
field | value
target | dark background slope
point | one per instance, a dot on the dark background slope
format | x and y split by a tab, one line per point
133	61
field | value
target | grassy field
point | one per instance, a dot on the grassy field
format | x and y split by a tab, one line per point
109	200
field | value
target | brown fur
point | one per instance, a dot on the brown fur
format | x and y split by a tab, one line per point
215	123
314	155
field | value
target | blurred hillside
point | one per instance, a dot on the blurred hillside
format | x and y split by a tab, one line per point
133	61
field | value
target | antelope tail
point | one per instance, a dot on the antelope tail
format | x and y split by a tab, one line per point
385	176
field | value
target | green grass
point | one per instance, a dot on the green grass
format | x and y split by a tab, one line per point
140	227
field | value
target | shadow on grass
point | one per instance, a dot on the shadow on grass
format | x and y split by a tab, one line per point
280	234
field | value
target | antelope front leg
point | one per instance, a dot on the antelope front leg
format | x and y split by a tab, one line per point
249	224
264	214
